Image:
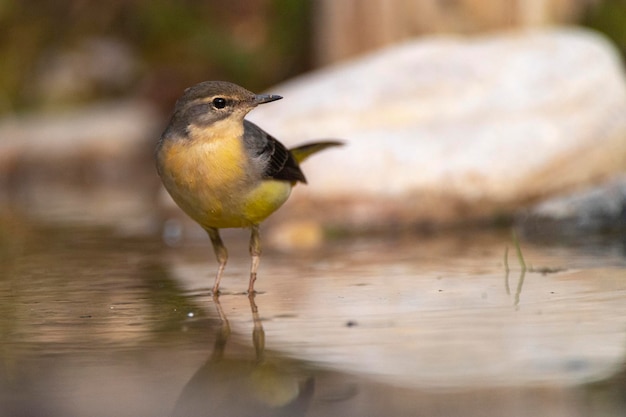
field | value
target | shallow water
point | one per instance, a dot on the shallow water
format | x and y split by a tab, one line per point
96	324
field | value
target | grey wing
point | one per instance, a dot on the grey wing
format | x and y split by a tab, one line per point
277	161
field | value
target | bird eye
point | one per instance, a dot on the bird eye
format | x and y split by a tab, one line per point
219	102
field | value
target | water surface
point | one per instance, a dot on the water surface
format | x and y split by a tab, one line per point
97	324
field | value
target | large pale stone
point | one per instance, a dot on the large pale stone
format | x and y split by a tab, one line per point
444	129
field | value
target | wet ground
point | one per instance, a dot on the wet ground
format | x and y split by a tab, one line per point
97	324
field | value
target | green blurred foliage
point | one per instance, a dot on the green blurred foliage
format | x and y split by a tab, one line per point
255	43
609	17
252	42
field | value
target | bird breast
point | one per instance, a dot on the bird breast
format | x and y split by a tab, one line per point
212	179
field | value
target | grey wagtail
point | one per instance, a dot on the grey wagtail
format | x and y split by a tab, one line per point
224	171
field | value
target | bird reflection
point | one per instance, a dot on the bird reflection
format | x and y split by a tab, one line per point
259	386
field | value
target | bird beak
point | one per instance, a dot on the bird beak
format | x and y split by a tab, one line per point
265	98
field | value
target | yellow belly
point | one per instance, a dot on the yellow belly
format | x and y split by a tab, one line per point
210	181
265	198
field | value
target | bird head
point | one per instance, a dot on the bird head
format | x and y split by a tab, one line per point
211	101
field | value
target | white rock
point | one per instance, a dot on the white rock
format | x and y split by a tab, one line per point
446	128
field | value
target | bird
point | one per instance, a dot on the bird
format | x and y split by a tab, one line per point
224	171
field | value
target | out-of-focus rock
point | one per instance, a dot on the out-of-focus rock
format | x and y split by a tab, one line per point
297	235
90	165
600	209
447	129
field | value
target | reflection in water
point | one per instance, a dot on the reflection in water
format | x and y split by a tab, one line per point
245	387
607	397
94	324
520	280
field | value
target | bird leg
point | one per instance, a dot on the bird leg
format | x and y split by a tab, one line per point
258	334
255	253
220	253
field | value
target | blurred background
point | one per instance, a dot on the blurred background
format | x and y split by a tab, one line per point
65	53
86	87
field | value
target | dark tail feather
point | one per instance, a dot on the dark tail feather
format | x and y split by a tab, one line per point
302	152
